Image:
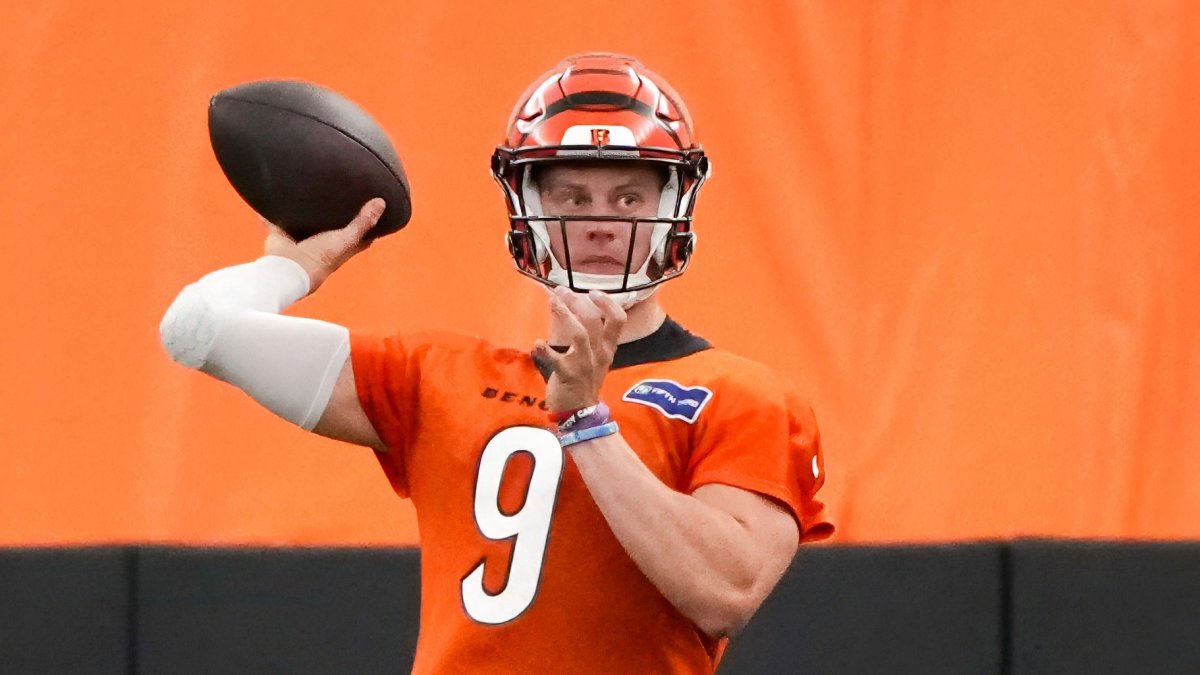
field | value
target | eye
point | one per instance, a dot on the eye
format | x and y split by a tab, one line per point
630	200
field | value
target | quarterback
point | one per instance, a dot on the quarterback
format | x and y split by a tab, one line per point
618	498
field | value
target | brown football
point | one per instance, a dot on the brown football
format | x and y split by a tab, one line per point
306	158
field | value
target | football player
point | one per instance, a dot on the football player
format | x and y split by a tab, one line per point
619	499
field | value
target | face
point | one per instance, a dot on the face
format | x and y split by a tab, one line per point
609	188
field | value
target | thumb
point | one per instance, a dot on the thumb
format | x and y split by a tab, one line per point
543	352
272	228
540	348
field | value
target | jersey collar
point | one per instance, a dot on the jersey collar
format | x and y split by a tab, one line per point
671	341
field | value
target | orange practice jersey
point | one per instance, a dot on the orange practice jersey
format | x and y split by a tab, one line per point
520	573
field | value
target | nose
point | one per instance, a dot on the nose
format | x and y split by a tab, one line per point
600	231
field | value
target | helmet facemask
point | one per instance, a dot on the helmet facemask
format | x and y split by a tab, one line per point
599	108
671	238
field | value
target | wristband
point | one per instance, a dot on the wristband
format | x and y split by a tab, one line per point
588	434
562	416
583	418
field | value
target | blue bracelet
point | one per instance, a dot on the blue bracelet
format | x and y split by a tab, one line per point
588	434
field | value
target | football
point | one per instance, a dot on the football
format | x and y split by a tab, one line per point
306	158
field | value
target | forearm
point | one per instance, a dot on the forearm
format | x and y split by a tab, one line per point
699	557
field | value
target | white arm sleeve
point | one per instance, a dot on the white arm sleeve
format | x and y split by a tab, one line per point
227	324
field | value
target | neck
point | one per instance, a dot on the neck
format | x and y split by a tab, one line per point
642	319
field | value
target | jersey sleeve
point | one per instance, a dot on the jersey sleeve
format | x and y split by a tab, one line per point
760	437
387	375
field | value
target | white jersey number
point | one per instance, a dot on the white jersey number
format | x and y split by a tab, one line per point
530	525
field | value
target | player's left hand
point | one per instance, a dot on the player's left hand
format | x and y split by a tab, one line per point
591	324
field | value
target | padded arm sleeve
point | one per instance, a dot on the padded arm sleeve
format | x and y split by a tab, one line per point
227	324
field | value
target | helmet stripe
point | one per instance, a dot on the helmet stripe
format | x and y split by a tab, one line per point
585	98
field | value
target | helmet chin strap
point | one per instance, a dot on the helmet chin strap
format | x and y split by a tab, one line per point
585	282
630	298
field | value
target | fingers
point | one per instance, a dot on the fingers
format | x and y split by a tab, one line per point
585	311
569	318
613	315
591	325
367	216
602	316
566	329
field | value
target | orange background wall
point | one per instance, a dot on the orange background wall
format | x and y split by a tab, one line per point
970	231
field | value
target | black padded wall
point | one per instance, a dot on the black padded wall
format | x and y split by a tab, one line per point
1024	608
1097	608
848	610
65	611
277	611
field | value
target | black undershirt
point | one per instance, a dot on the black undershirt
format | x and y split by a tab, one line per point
671	341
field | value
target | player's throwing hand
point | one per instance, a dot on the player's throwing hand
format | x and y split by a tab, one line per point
321	254
591	324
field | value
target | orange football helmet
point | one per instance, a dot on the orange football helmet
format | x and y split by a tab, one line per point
601	107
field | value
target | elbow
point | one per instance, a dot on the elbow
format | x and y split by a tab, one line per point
726	612
189	328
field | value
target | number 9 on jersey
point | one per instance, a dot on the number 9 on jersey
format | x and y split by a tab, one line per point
530	525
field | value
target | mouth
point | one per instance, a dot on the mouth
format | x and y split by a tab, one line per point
600	264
